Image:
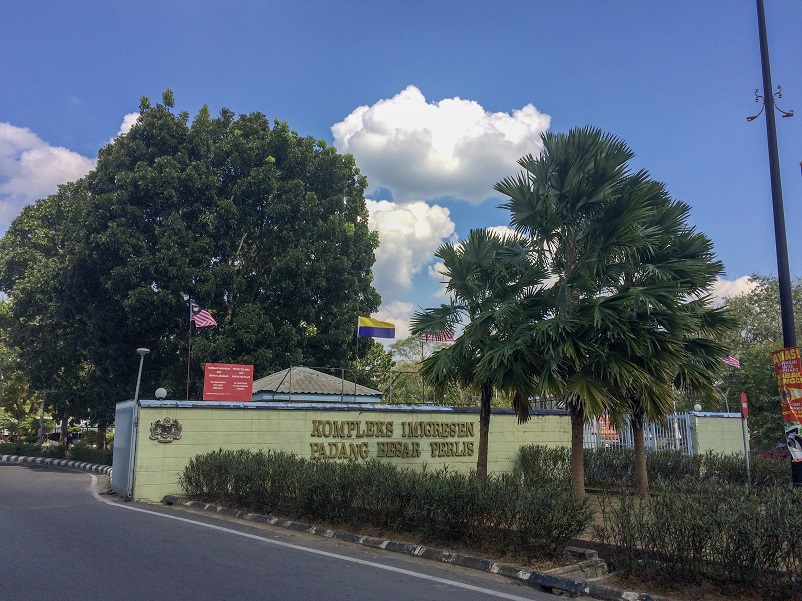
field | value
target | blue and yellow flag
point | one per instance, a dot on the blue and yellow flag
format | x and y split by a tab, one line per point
369	327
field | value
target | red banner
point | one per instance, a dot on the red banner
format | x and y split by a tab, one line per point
607	431
227	382
788	369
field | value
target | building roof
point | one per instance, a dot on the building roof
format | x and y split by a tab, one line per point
304	380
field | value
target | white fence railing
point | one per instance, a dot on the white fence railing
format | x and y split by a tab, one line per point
674	434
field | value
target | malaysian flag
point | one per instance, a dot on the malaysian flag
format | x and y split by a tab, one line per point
200	316
442	336
732	361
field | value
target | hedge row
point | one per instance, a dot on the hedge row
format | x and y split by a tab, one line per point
440	506
32	450
80	452
734	535
614	468
77	452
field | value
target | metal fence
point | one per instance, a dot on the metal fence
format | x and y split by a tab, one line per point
674	434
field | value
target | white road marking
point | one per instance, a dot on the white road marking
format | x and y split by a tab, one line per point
270	541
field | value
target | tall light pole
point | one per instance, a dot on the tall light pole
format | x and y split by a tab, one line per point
142	352
134	421
783	271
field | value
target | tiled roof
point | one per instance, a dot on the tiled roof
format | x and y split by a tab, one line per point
298	380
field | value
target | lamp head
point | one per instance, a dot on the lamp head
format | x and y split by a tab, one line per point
161	393
142	351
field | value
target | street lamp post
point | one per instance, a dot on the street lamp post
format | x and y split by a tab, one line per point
134	422
783	270
142	352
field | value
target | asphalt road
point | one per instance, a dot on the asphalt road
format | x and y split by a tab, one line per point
60	540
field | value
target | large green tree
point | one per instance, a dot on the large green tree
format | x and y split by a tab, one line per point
264	228
676	332
18	401
408	384
41	320
758	334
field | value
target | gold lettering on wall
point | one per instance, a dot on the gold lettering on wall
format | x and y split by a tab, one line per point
442	448
339	450
390	448
436	429
349	431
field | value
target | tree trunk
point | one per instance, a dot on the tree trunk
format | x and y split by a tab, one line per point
577	449
641	476
64	431
484	430
101	434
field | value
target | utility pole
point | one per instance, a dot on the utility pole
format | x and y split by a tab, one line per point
790	418
783	271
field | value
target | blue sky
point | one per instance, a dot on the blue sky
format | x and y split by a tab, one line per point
452	93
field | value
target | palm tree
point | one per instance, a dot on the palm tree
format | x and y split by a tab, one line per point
484	275
678	349
583	210
678	331
623	322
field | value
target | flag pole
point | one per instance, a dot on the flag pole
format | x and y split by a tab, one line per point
422	383
189	346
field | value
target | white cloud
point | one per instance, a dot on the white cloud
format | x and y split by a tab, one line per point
31	169
501	230
453	147
409	235
724	289
398	313
128	122
436	270
437	274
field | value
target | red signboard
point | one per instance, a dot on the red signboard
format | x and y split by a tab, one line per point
788	369
744	406
227	382
607	431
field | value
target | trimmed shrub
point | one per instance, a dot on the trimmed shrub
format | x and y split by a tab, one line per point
9	448
54	451
22	449
724	469
544	464
548	518
771	469
609	468
80	452
446	506
31	450
667	467
673	467
732	534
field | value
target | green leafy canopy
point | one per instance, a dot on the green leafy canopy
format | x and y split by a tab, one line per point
266	229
